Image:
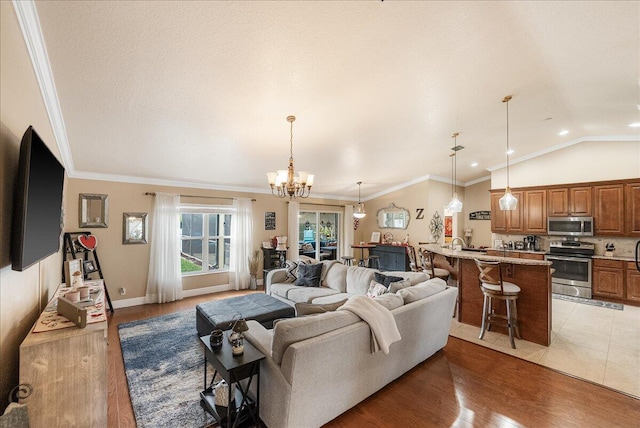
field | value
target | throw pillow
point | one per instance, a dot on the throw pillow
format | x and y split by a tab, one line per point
422	290
309	275
386	280
303	309
292	269
390	301
399	285
376	289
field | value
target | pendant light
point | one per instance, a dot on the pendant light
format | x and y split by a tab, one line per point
455	206
359	211
508	202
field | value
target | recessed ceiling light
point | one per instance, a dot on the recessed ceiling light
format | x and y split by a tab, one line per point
474	164
635	125
563	132
511	151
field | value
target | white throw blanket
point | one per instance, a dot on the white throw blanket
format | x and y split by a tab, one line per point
382	323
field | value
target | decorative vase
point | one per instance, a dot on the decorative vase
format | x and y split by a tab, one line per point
253	282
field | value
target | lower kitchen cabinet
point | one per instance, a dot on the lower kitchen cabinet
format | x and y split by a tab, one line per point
608	278
616	279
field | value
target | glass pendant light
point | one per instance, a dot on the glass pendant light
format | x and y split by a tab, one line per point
359	212
508	202
455	205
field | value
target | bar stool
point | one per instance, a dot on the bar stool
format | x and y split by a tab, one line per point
493	288
347	260
430	267
373	262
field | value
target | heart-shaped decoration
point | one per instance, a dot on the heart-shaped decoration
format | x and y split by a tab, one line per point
89	242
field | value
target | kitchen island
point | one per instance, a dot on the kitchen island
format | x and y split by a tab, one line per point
532	276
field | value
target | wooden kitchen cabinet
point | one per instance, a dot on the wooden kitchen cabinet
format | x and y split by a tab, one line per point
633	283
608	278
532	256
609	215
535	211
506	221
570	201
632	205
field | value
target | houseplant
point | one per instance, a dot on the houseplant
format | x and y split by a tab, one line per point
254	264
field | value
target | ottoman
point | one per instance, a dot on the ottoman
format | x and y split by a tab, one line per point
220	314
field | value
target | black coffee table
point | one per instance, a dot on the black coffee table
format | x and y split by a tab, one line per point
220	314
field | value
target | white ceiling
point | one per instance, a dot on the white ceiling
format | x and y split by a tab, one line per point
198	92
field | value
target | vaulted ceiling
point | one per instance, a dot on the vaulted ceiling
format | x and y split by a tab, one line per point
197	93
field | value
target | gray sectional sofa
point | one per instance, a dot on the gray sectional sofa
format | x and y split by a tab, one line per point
319	366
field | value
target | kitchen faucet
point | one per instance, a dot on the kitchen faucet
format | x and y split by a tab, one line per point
462	243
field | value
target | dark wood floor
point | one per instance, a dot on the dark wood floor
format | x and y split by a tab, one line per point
464	385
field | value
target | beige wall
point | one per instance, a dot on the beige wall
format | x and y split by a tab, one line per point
430	195
476	198
127	265
22	294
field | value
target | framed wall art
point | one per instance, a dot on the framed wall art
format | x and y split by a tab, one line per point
270	220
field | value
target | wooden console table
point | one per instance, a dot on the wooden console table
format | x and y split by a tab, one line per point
67	372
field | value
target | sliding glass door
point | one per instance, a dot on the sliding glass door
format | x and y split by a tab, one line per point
319	233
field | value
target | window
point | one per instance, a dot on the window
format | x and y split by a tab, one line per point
206	241
318	235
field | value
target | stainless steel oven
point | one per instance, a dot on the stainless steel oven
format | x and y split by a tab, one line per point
572	267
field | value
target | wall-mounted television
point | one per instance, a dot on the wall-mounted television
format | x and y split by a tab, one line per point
37	204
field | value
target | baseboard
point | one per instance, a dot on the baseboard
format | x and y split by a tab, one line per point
136	301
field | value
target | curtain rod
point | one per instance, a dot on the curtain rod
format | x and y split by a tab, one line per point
323	205
198	196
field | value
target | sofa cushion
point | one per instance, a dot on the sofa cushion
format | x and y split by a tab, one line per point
281	289
303	309
422	290
309	274
289	331
335	276
376	289
386	279
307	294
332	298
414	277
359	279
390	301
398	285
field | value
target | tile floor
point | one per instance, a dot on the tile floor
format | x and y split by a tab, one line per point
598	344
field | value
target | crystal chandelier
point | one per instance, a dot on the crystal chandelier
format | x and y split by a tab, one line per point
455	206
285	182
359	211
508	202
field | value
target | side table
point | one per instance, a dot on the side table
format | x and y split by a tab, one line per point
233	369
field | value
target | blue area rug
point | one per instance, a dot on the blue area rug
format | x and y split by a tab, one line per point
164	365
592	302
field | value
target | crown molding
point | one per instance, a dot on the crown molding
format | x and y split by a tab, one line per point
30	26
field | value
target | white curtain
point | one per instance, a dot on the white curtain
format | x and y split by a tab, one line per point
293	230
347	227
164	283
241	244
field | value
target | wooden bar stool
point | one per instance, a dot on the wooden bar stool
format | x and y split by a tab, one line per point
430	267
347	260
493	287
373	262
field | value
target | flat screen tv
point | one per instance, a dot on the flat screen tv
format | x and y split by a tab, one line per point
37	204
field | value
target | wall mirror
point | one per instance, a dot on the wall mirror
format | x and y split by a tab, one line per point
134	228
393	217
94	210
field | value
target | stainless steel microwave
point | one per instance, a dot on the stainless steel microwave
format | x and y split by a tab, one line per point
570	226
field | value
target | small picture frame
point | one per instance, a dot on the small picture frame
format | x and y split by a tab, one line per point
72	269
89	266
375	237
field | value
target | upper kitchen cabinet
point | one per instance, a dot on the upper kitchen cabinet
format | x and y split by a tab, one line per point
609	214
506	221
570	201
535	211
632	214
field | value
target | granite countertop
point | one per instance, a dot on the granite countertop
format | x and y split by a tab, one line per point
477	255
517	251
623	258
